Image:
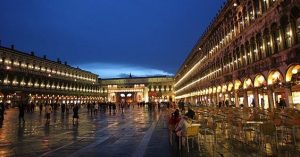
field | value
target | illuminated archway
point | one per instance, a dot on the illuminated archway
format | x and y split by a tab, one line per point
293	70
214	89
247	83
237	84
210	90
206	91
275	77
259	81
224	88
230	86
219	89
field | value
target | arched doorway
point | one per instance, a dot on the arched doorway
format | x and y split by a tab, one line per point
260	85
275	82
293	80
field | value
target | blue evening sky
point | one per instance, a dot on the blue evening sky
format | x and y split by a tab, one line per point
109	37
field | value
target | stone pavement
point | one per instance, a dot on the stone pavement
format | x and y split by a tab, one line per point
106	134
135	133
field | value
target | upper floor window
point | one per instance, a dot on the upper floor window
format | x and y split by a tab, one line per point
298	29
288	35
265	5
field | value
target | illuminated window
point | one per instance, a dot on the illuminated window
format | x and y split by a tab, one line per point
277	38
37	68
257	8
265	5
259	46
53	71
298	29
288	35
16	63
7	61
30	66
267	43
43	69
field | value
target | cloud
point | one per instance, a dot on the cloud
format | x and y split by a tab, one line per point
115	70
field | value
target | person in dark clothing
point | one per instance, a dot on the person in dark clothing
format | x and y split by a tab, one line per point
181	105
88	107
63	108
2	110
75	114
41	108
114	108
282	103
110	107
21	112
220	104
190	114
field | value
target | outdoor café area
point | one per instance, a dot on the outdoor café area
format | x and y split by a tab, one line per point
238	131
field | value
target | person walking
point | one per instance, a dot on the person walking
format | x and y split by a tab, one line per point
21	112
75	114
41	108
2	110
96	108
63	108
282	103
92	108
48	110
114	108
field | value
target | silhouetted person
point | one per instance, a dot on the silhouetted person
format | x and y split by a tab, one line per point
75	114
41	108
21	112
2	110
48	110
282	103
63	108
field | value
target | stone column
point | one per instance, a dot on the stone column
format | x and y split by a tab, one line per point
270	98
236	96
256	98
288	97
245	99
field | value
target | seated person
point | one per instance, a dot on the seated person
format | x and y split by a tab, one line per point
174	120
190	114
182	126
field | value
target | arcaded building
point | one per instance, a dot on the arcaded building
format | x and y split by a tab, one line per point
26	77
249	54
138	89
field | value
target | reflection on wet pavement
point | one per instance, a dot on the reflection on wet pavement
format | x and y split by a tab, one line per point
110	134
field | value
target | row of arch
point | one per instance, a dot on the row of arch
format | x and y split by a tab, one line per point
42	83
260	80
273	39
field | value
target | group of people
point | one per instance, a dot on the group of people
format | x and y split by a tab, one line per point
48	109
181	120
95	107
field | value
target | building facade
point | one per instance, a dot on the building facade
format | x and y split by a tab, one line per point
250	55
36	79
138	89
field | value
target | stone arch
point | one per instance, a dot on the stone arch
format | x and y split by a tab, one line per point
230	86
259	80
219	89
292	70
224	88
274	77
210	90
214	89
247	83
237	84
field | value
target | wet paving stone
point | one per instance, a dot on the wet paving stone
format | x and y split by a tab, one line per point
135	133
122	133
